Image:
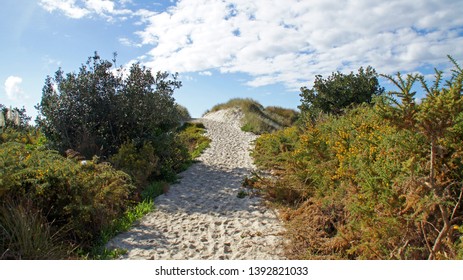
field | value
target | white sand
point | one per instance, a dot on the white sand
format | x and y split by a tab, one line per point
202	217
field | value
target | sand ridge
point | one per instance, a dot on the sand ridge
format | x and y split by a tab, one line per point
201	217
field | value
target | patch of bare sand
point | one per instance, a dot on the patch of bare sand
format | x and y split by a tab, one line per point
201	217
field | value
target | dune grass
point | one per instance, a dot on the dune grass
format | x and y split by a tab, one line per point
25	234
192	135
257	118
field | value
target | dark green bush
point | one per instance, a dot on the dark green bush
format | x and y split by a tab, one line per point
339	91
173	156
183	113
96	110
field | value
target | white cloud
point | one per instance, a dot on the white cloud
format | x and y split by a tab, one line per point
100	6
13	88
128	42
290	41
68	7
205	73
187	78
82	8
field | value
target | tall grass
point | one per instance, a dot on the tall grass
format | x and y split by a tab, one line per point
25	234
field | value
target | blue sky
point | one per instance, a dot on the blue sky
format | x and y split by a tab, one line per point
262	49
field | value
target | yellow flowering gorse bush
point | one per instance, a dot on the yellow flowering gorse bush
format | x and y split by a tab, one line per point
381	181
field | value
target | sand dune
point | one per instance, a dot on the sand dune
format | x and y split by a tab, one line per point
201	217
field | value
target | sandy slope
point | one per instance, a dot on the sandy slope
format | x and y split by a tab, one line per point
202	217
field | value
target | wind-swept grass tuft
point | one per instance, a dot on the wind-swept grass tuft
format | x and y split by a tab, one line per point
25	234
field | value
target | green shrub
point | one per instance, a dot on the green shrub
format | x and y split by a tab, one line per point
83	197
79	203
344	169
160	159
339	91
183	113
248	127
173	156
140	163
96	110
192	136
28	136
271	149
377	182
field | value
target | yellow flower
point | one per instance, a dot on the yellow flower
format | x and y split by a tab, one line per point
456	227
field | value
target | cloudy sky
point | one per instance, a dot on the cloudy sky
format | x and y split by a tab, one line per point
262	49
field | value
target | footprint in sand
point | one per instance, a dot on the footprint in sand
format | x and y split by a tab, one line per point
201	217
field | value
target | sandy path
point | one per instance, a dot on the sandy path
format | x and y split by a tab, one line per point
202	217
